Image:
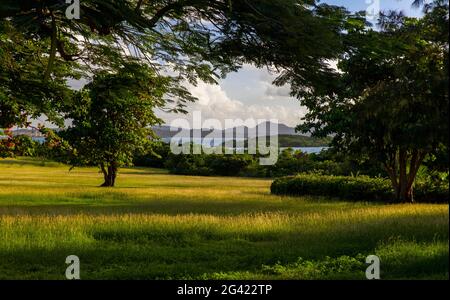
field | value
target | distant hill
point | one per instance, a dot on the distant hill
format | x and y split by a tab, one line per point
285	141
287	136
165	131
302	141
28	132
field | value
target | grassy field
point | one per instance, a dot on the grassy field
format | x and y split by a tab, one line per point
159	226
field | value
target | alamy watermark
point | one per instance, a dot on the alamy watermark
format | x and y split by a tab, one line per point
73	10
373	10
373	270
375	7
235	136
73	270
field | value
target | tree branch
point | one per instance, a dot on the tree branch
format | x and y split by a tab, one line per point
138	6
166	9
53	46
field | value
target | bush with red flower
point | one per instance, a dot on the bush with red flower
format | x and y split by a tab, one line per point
7	144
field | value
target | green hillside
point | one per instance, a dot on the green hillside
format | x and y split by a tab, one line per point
302	141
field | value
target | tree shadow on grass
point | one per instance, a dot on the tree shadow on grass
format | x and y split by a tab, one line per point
192	253
166	207
29	162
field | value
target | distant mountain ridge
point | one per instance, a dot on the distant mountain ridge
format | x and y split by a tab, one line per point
28	132
288	137
165	131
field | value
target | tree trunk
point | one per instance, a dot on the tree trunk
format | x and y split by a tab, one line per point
109	174
404	190
403	181
406	193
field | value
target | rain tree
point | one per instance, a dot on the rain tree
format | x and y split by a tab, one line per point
391	102
189	39
111	117
23	93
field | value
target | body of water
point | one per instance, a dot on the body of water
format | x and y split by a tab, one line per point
216	142
308	150
208	142
39	139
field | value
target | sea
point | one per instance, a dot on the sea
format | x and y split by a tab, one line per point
216	142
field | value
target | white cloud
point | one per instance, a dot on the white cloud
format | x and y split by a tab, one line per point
274	92
214	103
246	94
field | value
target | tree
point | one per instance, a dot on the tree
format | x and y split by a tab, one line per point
111	118
6	144
23	93
191	39
392	97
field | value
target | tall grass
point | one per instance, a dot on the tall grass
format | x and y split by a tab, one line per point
155	225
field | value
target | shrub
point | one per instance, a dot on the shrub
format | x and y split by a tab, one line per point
55	147
431	192
353	188
24	146
155	158
188	164
6	144
254	169
207	164
228	165
19	145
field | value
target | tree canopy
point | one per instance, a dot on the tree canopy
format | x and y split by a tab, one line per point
23	93
189	39
111	118
392	100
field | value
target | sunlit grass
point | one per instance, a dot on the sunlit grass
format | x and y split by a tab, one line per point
155	225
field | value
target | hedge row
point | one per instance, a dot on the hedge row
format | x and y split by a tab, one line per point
353	188
432	193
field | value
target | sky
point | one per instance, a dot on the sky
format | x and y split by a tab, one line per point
249	93
359	5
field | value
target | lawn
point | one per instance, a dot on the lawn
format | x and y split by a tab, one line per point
154	225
